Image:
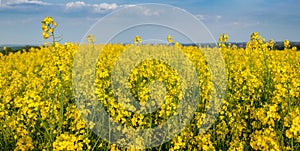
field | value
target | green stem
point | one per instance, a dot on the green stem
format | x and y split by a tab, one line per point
61	99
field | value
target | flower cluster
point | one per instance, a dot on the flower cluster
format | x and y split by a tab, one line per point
170	40
48	26
286	44
137	40
222	40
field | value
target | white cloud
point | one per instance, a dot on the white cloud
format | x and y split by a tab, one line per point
236	23
148	12
75	5
18	2
94	8
128	5
209	18
144	11
104	7
218	17
201	17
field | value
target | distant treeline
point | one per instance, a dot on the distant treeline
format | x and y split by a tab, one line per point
13	49
278	46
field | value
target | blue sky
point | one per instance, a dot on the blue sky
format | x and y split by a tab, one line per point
277	19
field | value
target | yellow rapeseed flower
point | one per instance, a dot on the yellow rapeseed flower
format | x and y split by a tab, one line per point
170	40
137	40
